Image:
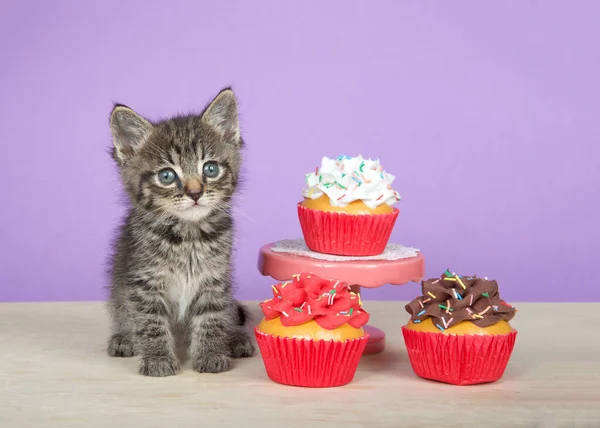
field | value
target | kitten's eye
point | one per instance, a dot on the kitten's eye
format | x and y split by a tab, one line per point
211	169
167	176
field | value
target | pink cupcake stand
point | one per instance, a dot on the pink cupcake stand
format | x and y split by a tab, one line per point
360	273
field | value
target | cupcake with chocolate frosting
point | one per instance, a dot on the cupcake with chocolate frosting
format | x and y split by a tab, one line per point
459	330
312	332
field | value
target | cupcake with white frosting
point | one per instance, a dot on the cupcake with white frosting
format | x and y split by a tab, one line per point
348	207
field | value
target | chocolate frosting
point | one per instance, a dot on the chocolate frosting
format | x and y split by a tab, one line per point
451	299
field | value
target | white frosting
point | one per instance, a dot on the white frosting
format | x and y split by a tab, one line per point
345	180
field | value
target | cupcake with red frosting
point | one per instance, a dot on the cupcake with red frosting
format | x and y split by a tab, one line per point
459	330
348	208
312	332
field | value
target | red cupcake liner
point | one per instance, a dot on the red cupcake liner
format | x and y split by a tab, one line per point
346	234
459	359
310	363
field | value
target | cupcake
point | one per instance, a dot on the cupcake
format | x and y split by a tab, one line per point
347	207
459	331
312	332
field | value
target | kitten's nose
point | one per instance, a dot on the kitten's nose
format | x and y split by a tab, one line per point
195	195
194	189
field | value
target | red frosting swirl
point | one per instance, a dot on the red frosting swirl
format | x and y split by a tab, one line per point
330	303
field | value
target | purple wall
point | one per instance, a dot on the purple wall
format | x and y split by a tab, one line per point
488	113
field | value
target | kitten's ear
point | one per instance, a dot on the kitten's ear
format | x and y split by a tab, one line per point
222	116
129	132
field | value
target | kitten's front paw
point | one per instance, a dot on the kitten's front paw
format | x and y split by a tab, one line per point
159	366
212	363
242	347
120	346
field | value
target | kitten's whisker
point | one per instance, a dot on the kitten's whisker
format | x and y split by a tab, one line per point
230	208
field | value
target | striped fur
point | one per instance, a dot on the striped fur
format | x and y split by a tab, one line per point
171	271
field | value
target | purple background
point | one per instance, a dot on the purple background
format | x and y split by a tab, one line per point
487	112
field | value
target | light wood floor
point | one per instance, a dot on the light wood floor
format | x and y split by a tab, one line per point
54	372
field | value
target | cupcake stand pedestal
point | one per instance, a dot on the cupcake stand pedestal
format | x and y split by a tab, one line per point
359	273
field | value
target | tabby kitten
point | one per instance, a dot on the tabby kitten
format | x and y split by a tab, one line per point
171	269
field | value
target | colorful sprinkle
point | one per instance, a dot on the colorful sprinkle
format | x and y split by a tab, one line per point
351	309
279	297
505	304
416	321
477	316
379	197
339	185
450	279
485	294
421	313
309	311
320	178
332	291
298	309
421	303
440	327
362	166
448	310
495	307
461	283
302	305
341	197
274	289
471	302
447	272
284	284
436	281
426	300
431	294
296	277
285	313
317	170
449	321
485	310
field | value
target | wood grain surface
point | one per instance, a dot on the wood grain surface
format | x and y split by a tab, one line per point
54	372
